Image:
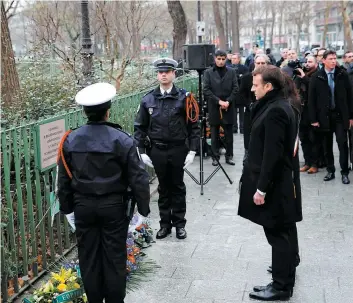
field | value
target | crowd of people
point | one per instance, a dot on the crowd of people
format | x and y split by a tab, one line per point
280	102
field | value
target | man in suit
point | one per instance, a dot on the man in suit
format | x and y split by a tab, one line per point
220	90
269	187
331	111
240	70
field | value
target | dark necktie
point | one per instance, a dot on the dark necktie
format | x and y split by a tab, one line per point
331	83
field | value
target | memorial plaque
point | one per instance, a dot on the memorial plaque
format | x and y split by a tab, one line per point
49	136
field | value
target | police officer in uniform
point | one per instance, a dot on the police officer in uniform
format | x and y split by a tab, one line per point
97	165
161	125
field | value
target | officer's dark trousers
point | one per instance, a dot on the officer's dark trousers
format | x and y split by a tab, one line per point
228	136
168	163
284	242
101	229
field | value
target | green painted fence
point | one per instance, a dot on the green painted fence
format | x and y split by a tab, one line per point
29	241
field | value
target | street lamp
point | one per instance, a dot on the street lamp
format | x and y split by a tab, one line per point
86	52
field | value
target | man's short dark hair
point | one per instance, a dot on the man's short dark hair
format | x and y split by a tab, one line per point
220	53
271	74
255	44
347	52
328	52
97	113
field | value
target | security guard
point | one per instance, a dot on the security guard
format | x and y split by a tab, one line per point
97	163
171	139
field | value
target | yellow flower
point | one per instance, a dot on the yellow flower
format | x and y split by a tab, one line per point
84	297
76	285
62	287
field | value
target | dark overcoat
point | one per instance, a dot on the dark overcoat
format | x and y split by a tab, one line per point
216	88
320	96
270	166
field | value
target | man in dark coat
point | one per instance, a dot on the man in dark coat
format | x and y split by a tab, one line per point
269	193
247	98
331	111
306	132
240	70
220	90
97	165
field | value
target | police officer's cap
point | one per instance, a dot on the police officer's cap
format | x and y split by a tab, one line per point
96	96
165	64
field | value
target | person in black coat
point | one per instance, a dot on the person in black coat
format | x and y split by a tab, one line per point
220	90
331	111
240	70
247	98
306	132
269	184
98	163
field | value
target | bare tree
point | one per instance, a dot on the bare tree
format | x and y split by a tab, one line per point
273	9
219	24
180	29
11	8
10	84
327	13
347	26
235	25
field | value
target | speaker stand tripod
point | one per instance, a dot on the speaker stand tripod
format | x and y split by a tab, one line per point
202	121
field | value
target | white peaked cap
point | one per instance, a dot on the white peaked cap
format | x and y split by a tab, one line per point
95	94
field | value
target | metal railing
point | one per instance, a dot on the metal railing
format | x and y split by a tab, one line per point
30	241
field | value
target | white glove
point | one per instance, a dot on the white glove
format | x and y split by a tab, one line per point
71	219
147	160
189	158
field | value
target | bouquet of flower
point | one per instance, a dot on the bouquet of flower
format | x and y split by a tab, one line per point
64	286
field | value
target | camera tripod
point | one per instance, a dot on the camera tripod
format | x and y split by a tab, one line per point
202	121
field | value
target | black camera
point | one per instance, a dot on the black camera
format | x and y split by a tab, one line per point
294	64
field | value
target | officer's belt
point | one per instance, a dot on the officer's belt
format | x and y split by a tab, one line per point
167	145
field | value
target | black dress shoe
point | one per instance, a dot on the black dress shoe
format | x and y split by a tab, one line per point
261	288
329	177
163	232
214	162
269	293
345	179
230	161
181	233
269	269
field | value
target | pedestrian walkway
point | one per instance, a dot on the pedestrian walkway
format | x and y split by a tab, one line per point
225	255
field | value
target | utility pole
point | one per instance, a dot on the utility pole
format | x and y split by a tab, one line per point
226	16
87	52
199	18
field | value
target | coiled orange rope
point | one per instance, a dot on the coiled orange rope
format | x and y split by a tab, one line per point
61	153
192	109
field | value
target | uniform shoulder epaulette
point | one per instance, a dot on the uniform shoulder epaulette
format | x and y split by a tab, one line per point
183	91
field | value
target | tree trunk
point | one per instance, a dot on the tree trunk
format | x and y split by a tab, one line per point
180	28
191	34
347	27
10	84
265	26
327	12
273	16
219	25
235	25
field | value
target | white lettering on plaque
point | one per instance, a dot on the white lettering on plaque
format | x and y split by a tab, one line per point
50	135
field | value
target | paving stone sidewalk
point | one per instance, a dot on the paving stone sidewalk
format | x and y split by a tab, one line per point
225	255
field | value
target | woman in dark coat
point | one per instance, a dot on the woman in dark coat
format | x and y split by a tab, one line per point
270	186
